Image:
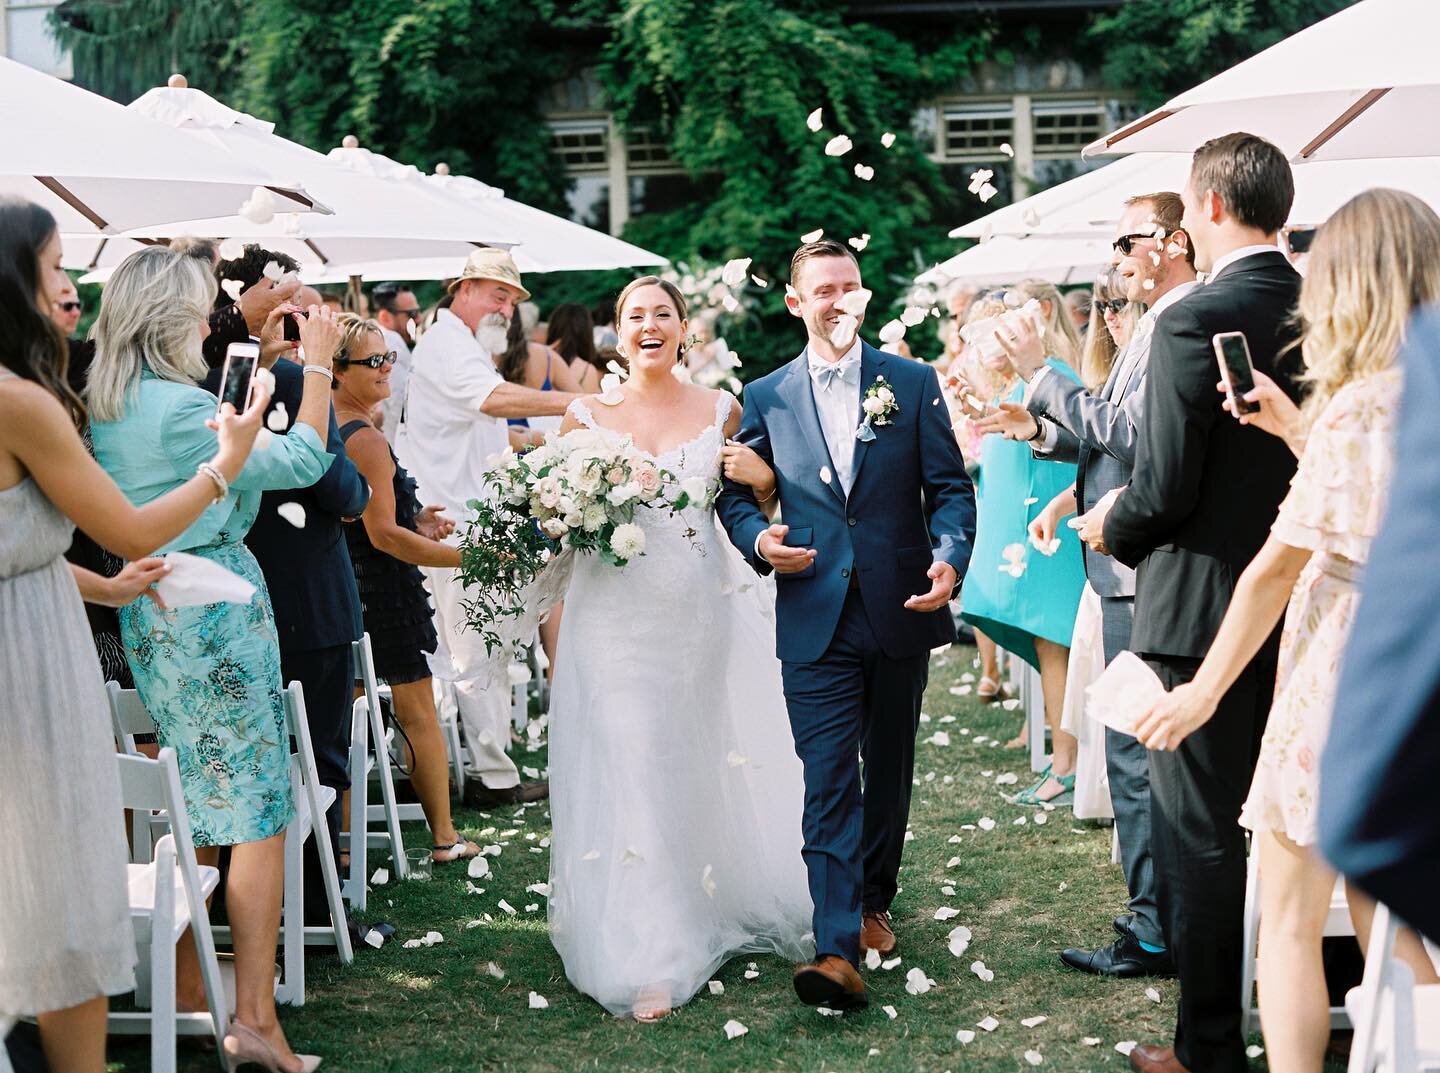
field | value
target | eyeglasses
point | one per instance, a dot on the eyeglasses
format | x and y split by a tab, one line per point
405	312
1125	243
374	361
1115	305
68	307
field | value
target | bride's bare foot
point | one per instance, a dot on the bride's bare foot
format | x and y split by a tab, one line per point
653	1004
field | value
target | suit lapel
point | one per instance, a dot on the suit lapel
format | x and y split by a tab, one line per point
872	366
799	396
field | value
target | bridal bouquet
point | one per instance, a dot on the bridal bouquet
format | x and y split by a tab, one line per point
578	492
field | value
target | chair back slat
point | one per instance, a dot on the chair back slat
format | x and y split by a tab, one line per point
128	716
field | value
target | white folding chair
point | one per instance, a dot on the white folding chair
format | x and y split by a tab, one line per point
370	755
447	709
519	696
1337	923
1397	1024
160	918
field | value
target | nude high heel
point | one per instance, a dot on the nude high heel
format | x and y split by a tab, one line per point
246	1047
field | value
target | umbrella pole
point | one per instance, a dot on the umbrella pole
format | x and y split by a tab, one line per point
353	295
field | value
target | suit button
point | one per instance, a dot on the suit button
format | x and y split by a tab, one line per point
845	573
852	521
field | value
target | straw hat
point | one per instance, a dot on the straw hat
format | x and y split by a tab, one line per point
490	263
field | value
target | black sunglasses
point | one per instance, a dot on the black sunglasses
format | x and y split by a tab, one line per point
1115	305
1125	243
374	361
68	307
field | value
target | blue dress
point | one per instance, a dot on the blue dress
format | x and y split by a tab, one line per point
1013	592
209	675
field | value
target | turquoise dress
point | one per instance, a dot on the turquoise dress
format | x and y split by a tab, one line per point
1013	592
210	675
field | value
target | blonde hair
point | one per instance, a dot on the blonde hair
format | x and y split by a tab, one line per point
353	329
1374	262
1061	339
150	317
1100	350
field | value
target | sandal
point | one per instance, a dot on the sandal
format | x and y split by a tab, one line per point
994	695
1032	796
455	851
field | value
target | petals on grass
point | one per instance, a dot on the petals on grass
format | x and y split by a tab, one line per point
734	1029
752	974
985	823
380	878
988	1024
1034	1057
492	969
979	969
945	912
917	983
872	959
538	1001
1152	995
1254	1051
890	1012
506	907
938	738
1031	1022
374	937
1091	1041
478	868
1010	705
716	987
965	1035
1125	1046
889	963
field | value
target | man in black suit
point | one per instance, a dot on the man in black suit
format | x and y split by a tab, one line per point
1199	505
1378	821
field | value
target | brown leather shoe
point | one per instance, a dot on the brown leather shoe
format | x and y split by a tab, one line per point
1153	1058
876	933
831	981
478	795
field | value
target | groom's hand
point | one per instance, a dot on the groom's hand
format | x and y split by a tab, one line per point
943	576
785	559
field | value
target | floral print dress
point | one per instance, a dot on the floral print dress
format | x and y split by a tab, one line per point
1333	509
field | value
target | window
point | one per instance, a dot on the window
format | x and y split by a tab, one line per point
583	145
1064	127
976	131
647	153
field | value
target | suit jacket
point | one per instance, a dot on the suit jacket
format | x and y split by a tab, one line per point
1099	434
1205	488
910	504
307	570
1378	823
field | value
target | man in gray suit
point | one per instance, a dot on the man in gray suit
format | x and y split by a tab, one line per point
1154	264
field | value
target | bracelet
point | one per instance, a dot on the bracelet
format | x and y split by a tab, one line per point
222	486
320	370
771	496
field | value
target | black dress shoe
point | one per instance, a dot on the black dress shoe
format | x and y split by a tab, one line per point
358	931
1124	924
478	795
1125	958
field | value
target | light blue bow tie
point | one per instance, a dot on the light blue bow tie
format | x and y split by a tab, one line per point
826	373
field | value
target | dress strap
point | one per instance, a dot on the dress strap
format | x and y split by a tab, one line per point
349	428
722	411
582	413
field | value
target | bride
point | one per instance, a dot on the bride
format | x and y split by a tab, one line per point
676	794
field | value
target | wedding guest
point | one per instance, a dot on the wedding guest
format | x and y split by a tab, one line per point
68	310
1099	433
398	313
66	940
1375	824
1023	598
1376	263
209	675
1112	321
395	536
455	421
1077	308
237	320
1200	501
311	584
603	319
536	366
573	335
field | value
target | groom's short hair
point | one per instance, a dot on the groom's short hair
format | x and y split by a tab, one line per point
826	247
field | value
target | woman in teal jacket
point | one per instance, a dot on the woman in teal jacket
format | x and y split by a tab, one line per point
209	675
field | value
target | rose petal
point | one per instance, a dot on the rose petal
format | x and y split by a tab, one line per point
1125	1046
859	243
945	912
813	236
815	120
865	172
965	1035
232	249
735	271
1031	1022
887	139
1034	1057
734	1030
716	987
232	287
838	145
707	881
890	1012
538	1001
293	513
872	959
1092	1041
989	1024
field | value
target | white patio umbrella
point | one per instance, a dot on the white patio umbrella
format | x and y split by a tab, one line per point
1091	204
548	243
102	169
1056	259
1363	83
373	217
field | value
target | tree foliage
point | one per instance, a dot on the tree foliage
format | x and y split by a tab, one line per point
1159	48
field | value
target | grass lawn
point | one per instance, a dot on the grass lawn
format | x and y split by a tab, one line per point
1024	891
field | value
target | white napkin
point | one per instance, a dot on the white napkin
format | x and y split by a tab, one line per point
193	580
1126	689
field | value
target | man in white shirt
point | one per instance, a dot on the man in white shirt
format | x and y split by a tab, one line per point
455	420
397	312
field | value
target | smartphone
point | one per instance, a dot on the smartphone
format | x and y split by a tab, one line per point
1236	370
238	373
292	326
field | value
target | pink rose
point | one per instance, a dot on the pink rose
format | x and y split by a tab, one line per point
615	476
648	478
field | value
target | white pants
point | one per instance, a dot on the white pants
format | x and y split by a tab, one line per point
482	682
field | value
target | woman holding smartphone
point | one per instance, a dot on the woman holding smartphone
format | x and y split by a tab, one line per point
210	675
66	940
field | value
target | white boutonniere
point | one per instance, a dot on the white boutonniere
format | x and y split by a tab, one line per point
879	406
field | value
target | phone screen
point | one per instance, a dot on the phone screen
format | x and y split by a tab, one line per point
1235	369
241	361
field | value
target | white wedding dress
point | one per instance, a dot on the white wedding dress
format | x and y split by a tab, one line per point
676	794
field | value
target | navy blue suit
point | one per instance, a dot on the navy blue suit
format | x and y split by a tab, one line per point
1378	821
855	660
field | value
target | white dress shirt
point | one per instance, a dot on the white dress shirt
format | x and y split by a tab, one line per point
393	408
447	441
1235	255
837	403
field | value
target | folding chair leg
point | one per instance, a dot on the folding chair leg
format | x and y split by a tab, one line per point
398	864
291	991
331	877
356	841
1251	943
162	1001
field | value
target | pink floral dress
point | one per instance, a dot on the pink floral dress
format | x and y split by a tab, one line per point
1333	509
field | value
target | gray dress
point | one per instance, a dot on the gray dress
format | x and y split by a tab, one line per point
65	933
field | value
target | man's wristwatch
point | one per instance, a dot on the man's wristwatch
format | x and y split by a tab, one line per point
1039	432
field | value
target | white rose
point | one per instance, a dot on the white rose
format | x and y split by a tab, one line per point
566	505
622	494
554	527
874	406
627	541
549	492
886	396
696	488
573	519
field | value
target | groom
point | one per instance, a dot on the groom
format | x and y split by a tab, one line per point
879	516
